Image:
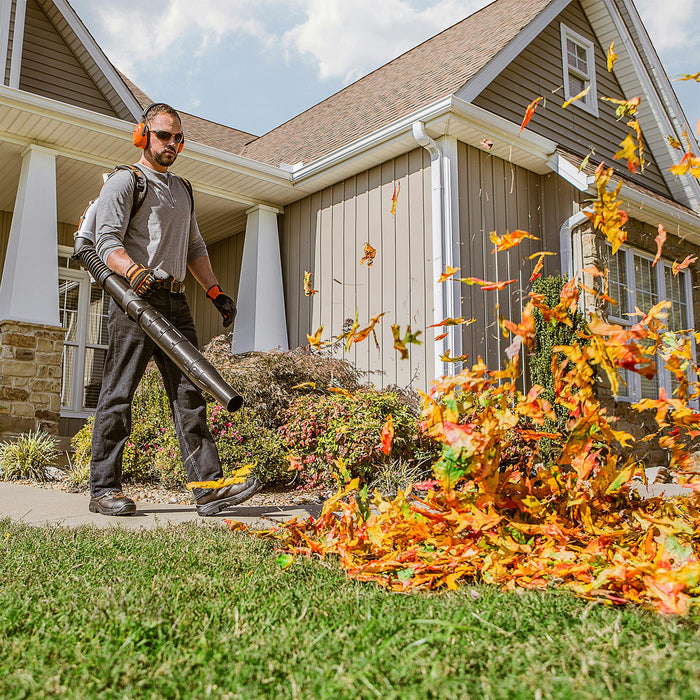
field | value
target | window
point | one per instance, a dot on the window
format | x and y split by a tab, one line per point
578	58
83	313
634	283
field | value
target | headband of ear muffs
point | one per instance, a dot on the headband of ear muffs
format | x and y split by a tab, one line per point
141	131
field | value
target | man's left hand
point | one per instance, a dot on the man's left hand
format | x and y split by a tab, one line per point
224	304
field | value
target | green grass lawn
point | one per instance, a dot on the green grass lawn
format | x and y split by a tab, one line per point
196	612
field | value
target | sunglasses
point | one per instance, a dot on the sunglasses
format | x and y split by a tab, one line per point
165	136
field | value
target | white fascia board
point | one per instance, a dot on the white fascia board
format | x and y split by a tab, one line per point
457	109
562	167
653	211
98	56
117	128
476	85
627	51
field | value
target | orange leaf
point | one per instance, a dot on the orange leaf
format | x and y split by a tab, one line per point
660	240
394	198
677	267
509	240
449	271
387	435
369	254
485	284
315	339
529	112
308	290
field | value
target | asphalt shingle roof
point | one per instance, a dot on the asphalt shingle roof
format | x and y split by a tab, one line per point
437	68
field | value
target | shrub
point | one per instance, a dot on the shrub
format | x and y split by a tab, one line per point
321	429
242	437
29	456
267	380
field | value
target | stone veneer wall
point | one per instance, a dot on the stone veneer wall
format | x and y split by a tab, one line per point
642	237
30	377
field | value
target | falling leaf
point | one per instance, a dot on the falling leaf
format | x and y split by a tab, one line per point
607	216
308	290
486	144
485	284
453	322
611	56
677	267
387	434
343	392
459	358
687	76
363	333
581	94
529	112
441	336
625	108
449	271
238	477
509	240
395	197
584	162
349	330
409	337
315	339
537	270
369	254
660	240
629	153
674	143
634	125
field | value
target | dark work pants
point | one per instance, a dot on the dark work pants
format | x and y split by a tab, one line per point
128	352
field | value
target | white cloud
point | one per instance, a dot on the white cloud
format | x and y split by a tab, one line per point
348	39
671	25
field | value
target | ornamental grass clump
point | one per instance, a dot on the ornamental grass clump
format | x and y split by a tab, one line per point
29	457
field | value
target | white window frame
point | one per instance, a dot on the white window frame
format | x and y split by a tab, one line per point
82	278
634	380
590	104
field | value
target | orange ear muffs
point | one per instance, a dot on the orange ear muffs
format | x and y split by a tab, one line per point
140	136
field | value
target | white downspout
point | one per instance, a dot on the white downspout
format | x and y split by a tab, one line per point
443	253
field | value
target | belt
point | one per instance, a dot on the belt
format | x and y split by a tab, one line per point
176	287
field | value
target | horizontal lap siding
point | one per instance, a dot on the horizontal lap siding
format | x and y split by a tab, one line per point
495	195
325	234
538	71
50	68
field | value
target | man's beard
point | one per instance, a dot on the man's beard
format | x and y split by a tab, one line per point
165	158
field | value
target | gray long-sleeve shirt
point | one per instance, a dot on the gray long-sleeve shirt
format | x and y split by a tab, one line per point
162	234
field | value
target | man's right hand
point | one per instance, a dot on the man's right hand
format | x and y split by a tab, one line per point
144	281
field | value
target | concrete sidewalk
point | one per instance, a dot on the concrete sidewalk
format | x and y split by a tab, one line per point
34	505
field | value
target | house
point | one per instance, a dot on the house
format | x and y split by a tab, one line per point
422	159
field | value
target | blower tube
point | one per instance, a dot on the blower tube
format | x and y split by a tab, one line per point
168	338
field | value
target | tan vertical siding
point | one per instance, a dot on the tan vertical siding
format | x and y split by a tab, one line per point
5	223
225	256
499	196
10	38
538	71
325	234
50	68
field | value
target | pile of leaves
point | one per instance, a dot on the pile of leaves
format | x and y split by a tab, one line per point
576	522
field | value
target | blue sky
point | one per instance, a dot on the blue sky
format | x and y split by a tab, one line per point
254	64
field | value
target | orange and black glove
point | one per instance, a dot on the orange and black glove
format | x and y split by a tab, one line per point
224	304
144	281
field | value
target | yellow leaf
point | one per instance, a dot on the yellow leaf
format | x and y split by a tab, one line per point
581	94
611	56
238	477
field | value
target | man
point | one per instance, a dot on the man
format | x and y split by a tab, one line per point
152	248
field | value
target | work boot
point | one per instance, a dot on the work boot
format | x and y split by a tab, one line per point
112	503
218	499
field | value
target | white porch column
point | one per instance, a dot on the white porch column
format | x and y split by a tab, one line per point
29	288
261	323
